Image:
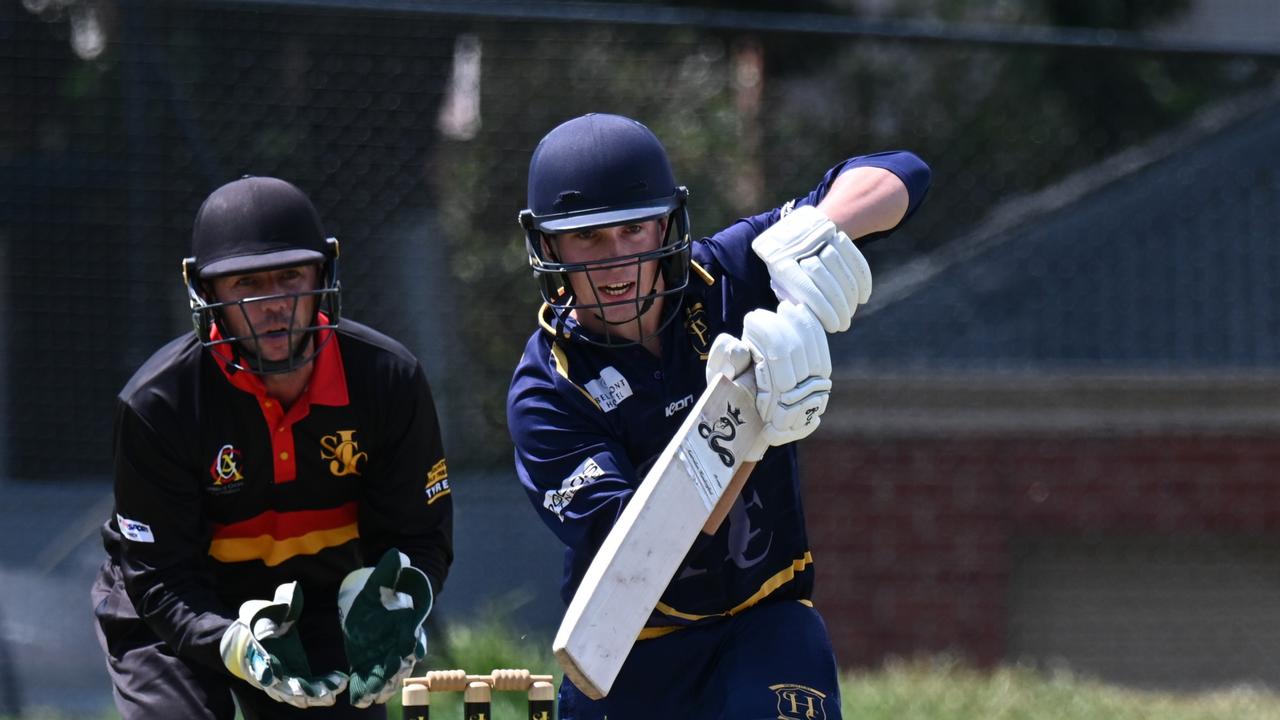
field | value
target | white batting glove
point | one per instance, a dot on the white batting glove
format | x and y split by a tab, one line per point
792	368
813	264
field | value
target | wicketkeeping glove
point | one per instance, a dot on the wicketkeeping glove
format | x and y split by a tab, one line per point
792	369
382	610
813	264
262	648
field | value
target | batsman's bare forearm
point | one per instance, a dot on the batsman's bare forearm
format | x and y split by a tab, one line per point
866	200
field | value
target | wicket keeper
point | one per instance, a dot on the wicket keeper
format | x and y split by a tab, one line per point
277	453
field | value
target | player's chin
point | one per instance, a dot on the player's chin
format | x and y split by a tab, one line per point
620	306
625	321
278	348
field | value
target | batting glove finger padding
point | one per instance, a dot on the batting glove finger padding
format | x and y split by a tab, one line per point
856	263
792	370
813	264
817	354
262	648
382	610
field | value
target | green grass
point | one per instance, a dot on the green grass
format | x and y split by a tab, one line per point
934	689
942	689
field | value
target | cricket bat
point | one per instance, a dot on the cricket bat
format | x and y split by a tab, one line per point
644	549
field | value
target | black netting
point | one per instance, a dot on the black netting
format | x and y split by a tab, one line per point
1069	358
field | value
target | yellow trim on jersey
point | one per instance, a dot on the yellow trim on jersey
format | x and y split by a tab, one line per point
666	609
650	633
702	273
782	577
272	552
542	322
562	366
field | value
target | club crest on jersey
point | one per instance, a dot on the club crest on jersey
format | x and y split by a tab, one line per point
343	453
585	474
797	702
695	323
610	389
722	430
437	482
225	470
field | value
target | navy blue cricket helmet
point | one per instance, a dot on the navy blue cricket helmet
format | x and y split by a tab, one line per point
600	170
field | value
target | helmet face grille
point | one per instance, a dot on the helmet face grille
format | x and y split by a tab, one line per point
234	350
672	257
596	171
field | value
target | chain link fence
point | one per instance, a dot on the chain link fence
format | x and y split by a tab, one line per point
412	131
411	126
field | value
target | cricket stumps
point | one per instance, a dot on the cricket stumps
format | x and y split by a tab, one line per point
477	692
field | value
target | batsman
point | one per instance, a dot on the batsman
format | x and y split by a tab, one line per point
636	319
279	453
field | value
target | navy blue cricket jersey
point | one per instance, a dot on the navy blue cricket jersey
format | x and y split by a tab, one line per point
588	421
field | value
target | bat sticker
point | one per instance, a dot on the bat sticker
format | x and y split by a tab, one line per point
723	430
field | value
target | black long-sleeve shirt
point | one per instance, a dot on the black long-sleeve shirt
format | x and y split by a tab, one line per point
221	495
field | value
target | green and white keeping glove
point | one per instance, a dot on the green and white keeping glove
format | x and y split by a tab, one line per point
382	610
262	648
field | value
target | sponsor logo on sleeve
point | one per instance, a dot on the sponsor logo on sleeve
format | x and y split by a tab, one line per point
437	482
610	389
134	530
585	474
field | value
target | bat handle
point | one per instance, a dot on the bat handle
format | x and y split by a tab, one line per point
746	379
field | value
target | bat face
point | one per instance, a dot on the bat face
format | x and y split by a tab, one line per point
653	534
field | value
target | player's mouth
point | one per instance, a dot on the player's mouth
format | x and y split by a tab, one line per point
275	333
274	339
615	290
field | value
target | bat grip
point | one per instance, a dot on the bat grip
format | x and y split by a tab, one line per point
747	379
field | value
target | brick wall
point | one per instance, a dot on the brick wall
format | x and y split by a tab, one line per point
915	537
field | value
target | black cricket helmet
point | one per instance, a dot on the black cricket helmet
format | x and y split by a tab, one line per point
252	225
595	171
